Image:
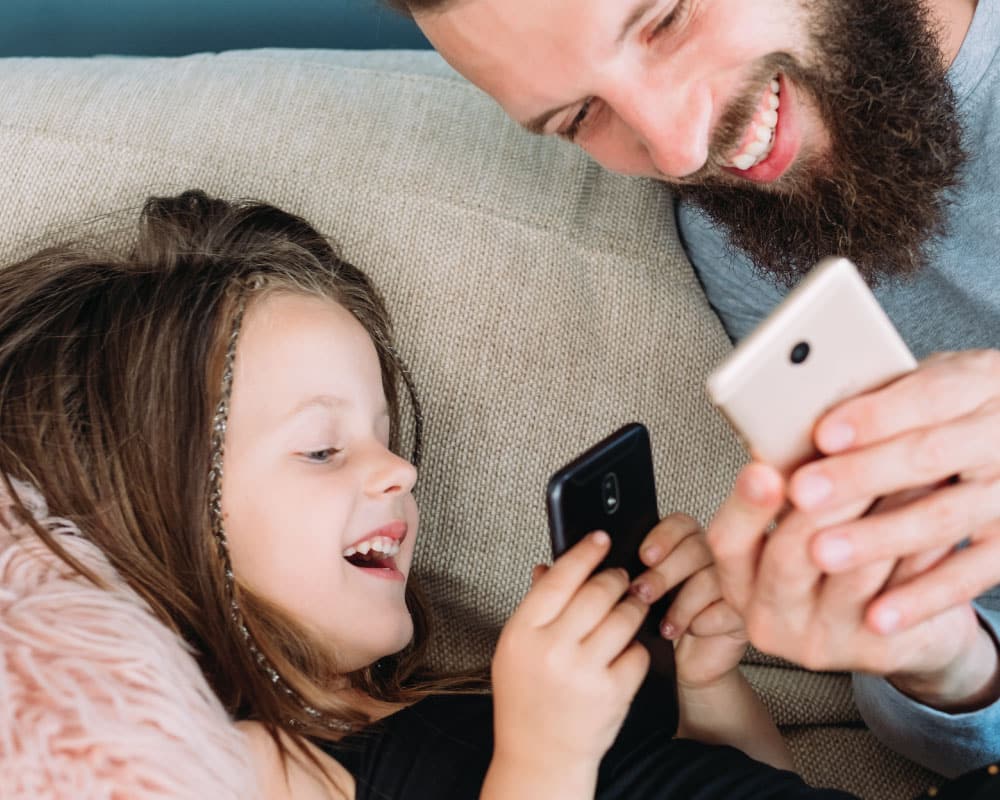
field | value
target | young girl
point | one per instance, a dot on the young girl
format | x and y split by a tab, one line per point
220	413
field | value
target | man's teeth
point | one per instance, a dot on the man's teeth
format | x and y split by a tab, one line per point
385	546
765	122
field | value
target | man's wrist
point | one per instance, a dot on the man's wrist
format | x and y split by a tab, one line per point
970	683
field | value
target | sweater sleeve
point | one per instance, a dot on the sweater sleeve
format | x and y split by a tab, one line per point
949	744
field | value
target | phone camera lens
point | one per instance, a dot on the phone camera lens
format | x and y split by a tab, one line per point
799	353
609	493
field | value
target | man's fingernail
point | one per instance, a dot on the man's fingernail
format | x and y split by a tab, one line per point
812	489
835	551
667	631
600	537
651	554
838	437
640	590
887	619
753	488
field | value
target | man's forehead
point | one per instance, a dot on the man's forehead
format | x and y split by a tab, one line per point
526	54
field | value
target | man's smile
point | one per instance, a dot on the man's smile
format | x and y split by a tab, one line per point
771	141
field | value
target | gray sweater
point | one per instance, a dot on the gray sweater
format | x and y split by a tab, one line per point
953	305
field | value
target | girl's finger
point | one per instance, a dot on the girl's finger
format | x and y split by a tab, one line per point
668	533
551	593
699	592
613	635
690	556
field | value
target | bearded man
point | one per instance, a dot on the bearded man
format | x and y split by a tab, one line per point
786	131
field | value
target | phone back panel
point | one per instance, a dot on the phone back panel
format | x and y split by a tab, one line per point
579	494
577	500
852	347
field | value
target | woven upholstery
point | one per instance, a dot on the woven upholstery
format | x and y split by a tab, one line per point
540	301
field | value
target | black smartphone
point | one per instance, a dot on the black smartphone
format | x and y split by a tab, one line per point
612	487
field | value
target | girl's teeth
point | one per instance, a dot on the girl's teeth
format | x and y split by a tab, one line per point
775	86
380	544
769	117
764	133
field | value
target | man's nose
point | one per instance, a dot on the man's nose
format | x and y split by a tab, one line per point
672	125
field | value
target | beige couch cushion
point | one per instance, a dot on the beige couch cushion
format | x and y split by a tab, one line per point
540	301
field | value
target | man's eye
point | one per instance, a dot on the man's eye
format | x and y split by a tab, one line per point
321	456
581	115
667	22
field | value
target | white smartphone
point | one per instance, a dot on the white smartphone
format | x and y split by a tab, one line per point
827	341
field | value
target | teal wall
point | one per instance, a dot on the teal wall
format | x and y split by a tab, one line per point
178	27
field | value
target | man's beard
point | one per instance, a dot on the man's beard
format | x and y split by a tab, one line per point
879	197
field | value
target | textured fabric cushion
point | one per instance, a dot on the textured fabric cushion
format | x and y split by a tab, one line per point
540	301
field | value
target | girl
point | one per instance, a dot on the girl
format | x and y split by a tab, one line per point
221	413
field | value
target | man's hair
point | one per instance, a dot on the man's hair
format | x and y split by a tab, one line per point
110	375
410	7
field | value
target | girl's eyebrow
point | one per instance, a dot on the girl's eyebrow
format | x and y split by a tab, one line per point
329	402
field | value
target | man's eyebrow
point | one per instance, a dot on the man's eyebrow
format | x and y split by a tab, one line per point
537	124
634	18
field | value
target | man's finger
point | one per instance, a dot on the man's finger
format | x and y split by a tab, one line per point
958	579
939	519
786	576
948	386
921	457
736	535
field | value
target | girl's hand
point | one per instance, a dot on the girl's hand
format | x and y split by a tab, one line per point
567	665
709	635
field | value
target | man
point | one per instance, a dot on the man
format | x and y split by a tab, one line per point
792	130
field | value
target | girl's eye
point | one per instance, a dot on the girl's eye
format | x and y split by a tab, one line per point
581	116
321	456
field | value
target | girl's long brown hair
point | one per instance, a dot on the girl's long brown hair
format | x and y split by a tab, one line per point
110	372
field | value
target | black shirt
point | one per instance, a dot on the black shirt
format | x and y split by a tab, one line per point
441	747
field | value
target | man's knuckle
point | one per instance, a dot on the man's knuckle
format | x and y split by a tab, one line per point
928	452
985	361
946	516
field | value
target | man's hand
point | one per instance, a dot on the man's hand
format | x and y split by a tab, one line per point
793	610
938	426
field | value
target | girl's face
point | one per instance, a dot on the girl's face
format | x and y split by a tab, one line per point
318	511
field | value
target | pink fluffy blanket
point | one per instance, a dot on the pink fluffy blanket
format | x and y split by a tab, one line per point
97	698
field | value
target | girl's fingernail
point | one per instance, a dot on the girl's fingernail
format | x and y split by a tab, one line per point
651	554
600	538
640	590
667	631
